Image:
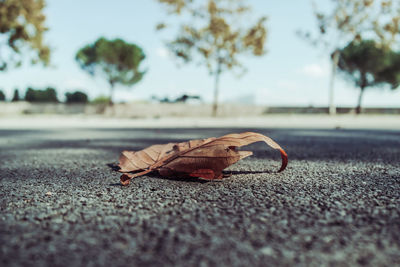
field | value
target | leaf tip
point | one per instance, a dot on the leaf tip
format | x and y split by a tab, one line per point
284	160
125	179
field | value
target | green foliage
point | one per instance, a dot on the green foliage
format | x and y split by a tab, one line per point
2	96
76	97
22	25
117	61
391	73
15	96
47	95
367	64
100	100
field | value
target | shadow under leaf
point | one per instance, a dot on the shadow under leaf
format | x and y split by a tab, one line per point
156	175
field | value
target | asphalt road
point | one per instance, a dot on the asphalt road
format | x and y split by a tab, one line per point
338	202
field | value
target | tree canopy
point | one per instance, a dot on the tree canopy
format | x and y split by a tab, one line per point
47	95
115	60
367	64
76	97
21	33
215	35
352	20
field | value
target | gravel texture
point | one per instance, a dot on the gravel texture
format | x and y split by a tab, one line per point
338	202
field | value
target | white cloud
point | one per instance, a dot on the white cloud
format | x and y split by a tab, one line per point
315	70
162	52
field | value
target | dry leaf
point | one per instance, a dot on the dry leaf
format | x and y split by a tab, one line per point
204	158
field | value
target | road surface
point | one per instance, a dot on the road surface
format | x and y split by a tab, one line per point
338	202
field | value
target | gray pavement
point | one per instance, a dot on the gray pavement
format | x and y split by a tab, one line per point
338	202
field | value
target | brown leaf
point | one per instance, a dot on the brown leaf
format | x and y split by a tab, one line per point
204	158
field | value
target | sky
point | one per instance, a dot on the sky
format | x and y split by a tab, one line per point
292	73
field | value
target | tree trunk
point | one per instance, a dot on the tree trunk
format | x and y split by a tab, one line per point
110	103
358	108
216	90
335	62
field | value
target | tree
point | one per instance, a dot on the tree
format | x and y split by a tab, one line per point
368	65
214	36
2	96
47	95
15	96
117	61
22	28
351	20
76	97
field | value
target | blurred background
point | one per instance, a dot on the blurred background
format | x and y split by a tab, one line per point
141	59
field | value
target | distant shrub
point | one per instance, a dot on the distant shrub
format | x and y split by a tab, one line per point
47	95
76	97
101	100
15	96
2	96
181	99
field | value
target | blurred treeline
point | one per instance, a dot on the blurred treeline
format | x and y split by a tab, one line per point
49	95
362	39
